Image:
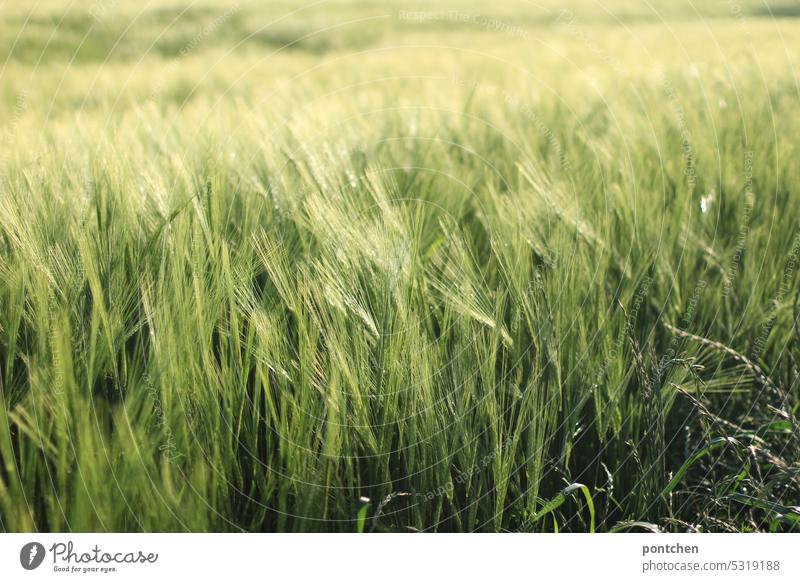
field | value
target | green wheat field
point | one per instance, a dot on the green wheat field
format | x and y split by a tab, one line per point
350	266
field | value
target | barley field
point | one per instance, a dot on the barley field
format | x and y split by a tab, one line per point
350	266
